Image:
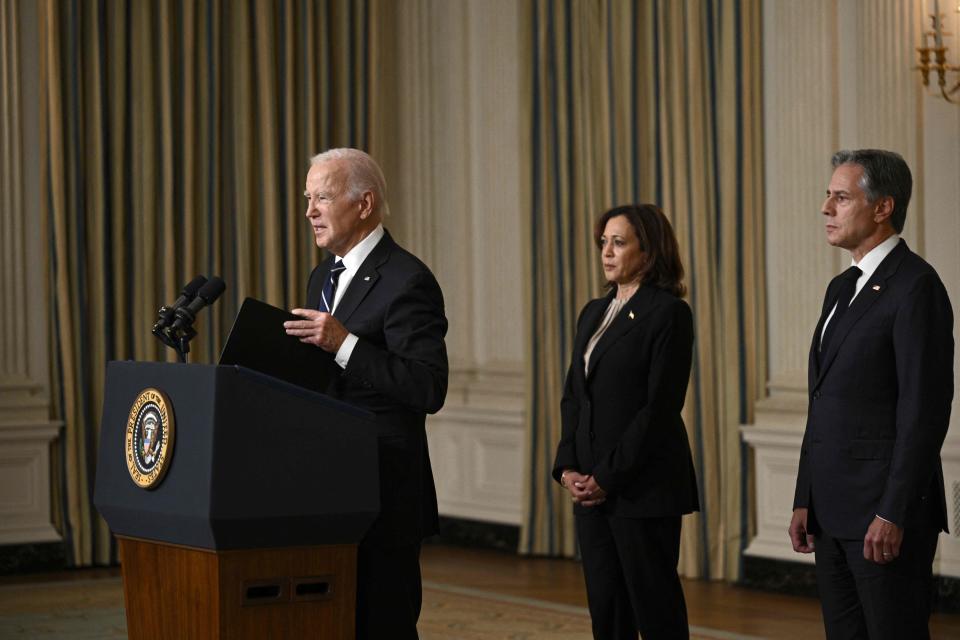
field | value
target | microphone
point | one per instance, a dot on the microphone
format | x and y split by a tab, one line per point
207	295
189	293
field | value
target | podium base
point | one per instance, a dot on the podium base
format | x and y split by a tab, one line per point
182	592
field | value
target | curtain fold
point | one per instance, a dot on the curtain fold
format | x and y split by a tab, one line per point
659	102
176	136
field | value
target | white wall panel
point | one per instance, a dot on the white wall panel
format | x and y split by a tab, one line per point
25	482
452	140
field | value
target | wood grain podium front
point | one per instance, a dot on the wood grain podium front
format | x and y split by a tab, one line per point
242	537
286	593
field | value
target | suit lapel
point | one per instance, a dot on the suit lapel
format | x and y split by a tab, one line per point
814	361
628	318
588	325
364	280
875	287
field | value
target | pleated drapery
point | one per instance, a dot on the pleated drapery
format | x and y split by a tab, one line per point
656	101
176	138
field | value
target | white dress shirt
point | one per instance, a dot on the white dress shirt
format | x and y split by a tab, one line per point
351	264
867	265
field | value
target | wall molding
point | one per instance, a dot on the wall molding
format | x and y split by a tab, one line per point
477	443
25	437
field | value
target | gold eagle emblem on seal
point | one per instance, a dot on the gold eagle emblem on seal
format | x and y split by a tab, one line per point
149	438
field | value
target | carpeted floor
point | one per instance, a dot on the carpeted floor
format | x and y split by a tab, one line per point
471	614
93	610
78	610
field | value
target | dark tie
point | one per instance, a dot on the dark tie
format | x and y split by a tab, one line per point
329	293
848	284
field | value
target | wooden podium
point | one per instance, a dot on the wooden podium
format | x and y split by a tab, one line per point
250	528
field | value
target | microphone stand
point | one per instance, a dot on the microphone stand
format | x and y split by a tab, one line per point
183	343
174	326
178	340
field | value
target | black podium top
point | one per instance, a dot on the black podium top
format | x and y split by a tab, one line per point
256	462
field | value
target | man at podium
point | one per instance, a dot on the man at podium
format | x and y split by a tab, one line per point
379	311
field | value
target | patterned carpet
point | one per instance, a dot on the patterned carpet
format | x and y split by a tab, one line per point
93	610
469	614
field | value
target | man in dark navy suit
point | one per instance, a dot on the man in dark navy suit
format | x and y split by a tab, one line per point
380	311
870	483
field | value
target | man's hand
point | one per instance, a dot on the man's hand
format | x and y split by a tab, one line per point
317	328
882	542
802	541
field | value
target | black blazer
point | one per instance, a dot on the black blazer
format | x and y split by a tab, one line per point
879	404
622	422
398	370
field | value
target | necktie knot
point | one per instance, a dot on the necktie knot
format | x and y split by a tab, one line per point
852	274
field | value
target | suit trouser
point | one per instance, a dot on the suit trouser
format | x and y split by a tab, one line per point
389	592
862	599
630	567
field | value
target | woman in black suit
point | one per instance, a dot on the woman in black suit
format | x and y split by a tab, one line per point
623	453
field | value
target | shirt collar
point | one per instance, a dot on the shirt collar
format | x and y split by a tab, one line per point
869	263
361	250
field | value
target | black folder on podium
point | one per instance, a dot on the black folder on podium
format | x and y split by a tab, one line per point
258	341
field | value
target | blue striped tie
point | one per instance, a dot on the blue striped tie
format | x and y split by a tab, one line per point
328	295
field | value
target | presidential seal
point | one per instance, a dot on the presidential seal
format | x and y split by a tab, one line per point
149	438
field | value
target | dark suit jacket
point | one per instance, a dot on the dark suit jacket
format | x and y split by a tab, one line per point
622	422
879	404
398	370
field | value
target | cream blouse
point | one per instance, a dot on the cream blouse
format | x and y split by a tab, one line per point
612	310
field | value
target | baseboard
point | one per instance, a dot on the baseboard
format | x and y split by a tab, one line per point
32	558
476	534
799	579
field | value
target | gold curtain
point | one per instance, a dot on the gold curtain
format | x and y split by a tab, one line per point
176	139
655	101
